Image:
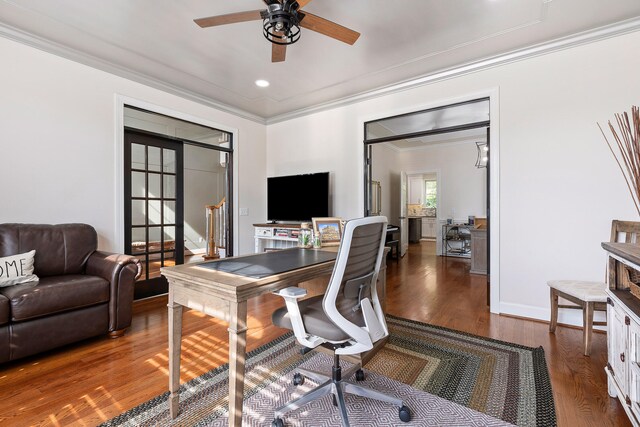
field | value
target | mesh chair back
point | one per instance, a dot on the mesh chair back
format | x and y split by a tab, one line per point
356	272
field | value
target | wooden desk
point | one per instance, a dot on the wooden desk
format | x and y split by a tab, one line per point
224	296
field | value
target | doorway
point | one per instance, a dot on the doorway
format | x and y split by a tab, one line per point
154	207
175	173
459	128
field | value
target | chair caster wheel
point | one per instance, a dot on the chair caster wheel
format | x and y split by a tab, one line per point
277	422
298	379
405	414
359	375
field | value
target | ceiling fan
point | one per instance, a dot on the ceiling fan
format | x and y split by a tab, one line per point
281	23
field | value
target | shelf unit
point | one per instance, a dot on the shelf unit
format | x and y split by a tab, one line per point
275	236
456	240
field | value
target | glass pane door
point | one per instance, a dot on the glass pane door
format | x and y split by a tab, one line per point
153	207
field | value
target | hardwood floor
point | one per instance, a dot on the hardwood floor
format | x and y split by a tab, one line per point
93	381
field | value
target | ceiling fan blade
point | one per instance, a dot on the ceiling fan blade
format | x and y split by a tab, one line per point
231	18
278	52
303	3
324	26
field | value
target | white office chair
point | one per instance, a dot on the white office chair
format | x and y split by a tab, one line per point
347	319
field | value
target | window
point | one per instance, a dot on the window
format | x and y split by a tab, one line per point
430	193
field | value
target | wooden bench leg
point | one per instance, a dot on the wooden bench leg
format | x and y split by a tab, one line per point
587	324
554	310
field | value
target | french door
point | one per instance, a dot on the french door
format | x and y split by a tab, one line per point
154	212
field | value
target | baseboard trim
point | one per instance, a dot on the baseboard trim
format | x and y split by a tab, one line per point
566	317
546	322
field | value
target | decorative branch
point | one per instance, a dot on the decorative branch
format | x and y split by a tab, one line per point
627	138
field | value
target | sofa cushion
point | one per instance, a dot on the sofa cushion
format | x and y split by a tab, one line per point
16	269
60	249
55	294
5	311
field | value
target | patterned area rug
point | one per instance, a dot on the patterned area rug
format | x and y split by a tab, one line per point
446	377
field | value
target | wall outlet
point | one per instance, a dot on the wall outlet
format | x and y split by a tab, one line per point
244	211
200	239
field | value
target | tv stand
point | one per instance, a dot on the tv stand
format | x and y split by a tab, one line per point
275	236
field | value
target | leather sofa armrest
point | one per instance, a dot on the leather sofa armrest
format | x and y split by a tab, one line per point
121	271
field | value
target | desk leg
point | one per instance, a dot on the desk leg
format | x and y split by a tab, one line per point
175	341
237	355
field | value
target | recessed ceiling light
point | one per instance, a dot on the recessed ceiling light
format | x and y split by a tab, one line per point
262	83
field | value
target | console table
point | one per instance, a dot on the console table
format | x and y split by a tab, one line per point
456	240
275	236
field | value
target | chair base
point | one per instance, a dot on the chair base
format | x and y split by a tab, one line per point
338	387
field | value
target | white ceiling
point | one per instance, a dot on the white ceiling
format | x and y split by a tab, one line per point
157	41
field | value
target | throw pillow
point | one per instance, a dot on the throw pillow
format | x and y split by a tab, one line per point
16	269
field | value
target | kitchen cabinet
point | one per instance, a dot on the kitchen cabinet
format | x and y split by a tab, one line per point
429	228
478	251
416	190
415	228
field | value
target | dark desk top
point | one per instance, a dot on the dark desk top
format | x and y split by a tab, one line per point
270	263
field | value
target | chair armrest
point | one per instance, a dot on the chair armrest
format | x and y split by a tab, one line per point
291	296
291	291
121	271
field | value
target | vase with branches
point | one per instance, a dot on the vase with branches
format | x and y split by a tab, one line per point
626	150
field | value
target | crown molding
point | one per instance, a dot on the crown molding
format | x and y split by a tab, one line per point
590	36
578	39
66	52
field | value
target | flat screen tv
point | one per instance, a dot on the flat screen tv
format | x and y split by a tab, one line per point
298	197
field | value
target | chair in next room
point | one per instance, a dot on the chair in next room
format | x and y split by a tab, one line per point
586	295
347	319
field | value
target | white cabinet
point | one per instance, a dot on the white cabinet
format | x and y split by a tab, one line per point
623	368
634	367
416	190
623	329
617	346
429	228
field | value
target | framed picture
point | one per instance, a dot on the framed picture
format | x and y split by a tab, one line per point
330	229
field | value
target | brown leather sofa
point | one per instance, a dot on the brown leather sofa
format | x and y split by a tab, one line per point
81	293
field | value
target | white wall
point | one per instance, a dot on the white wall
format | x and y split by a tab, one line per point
461	187
559	186
204	184
58	136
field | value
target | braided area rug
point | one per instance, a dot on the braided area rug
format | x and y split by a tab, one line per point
446	377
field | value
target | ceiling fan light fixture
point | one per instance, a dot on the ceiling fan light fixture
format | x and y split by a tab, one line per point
281	22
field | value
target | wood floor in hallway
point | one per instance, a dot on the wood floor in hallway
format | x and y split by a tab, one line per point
93	381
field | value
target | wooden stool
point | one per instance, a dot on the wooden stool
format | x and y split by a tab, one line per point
588	296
